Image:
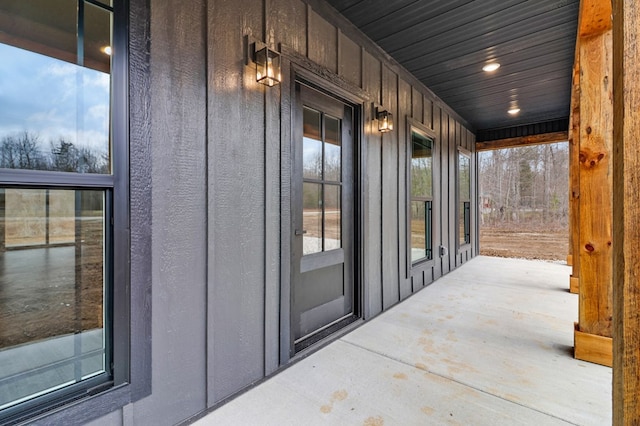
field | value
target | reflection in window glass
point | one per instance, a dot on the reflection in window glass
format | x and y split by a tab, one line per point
421	190
332	150
332	217
421	167
55	102
322	178
312	158
312	217
418	227
52	288
312	145
97	38
464	196
464	176
311	123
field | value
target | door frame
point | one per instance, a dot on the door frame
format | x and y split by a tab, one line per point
300	69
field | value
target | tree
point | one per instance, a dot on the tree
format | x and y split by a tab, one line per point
525	184
22	151
65	156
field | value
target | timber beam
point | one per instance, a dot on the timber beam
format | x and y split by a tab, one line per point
593	252
595	17
540	139
626	211
573	259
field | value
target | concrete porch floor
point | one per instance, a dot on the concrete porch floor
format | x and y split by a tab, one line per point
488	344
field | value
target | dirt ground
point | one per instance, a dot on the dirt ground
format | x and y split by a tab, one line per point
48	292
523	242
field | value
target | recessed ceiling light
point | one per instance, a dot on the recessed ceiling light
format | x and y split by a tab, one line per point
491	67
514	111
106	50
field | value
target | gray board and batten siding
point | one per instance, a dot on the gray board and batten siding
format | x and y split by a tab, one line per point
220	147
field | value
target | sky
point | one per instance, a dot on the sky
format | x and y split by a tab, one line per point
43	95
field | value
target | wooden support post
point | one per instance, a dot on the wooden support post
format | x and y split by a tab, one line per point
574	176
595	198
626	210
519	141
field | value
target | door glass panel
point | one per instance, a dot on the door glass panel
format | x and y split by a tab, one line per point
332	150
418	231
52	289
312	152
332	217
311	123
312	145
312	217
322	175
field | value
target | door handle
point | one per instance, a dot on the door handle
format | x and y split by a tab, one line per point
299	232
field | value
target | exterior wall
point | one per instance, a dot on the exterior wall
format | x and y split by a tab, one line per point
220	173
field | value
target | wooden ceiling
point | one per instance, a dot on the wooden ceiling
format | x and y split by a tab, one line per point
445	44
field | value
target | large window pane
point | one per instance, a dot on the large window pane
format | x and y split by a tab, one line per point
55	86
312	217
52	289
332	217
421	193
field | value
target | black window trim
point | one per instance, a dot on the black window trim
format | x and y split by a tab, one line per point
131	229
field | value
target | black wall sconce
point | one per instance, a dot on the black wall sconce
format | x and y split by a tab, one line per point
267	62
385	120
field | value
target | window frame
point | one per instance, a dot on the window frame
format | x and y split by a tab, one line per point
129	234
467	219
424	263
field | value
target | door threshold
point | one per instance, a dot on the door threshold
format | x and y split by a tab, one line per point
310	339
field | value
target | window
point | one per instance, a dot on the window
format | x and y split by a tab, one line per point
464	198
421	196
58	183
